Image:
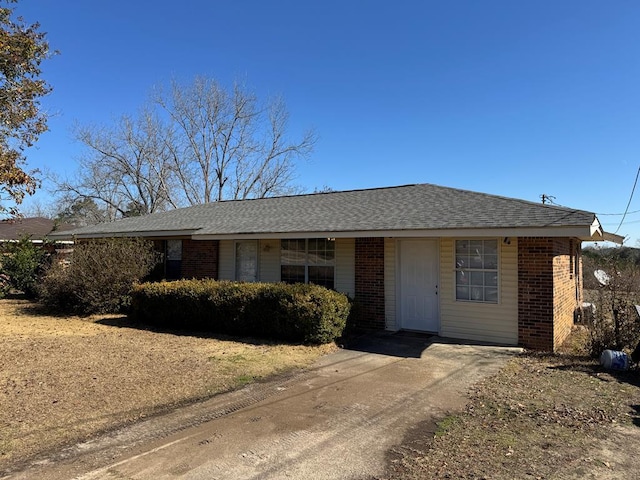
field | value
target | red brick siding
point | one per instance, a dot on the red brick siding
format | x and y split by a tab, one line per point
200	259
548	291
369	282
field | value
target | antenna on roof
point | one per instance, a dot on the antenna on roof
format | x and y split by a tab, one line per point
547	199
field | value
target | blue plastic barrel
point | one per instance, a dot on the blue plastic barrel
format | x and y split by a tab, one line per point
614	360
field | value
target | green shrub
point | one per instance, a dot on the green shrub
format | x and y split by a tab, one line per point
297	313
98	276
23	263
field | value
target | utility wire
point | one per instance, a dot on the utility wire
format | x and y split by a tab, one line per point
629	203
626	223
616	214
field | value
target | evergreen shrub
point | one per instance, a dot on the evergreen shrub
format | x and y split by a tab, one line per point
308	314
22	266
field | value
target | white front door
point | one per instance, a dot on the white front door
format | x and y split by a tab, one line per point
418	285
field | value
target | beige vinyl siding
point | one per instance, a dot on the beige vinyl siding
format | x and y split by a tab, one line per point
345	269
269	260
226	260
390	284
496	323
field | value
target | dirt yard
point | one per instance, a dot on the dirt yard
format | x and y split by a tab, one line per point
65	379
542	417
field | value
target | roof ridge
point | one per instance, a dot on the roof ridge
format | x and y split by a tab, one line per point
425	184
310	194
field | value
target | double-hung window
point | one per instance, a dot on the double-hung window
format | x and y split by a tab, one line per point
477	270
310	260
173	264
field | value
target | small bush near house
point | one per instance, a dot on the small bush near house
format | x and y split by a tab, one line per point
297	313
23	264
614	323
99	275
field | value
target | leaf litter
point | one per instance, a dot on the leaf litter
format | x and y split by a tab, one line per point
543	416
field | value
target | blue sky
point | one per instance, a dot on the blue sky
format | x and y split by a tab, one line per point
515	98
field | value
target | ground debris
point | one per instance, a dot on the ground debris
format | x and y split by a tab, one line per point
541	415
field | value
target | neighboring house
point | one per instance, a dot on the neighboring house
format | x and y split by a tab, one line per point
422	258
37	229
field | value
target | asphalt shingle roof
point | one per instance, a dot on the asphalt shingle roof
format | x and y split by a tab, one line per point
409	207
36	227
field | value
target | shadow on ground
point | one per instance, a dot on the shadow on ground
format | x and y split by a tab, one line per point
401	344
591	367
126	322
636	419
32	307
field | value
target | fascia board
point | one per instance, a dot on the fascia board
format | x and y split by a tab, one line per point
612	237
576	232
151	234
598	234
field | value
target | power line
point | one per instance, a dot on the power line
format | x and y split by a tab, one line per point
626	223
629	202
617	214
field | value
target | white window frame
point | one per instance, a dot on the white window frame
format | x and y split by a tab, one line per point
463	267
306	262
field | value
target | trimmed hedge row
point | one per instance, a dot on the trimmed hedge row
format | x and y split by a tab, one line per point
296	313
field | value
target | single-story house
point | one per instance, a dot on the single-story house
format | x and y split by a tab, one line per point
37	229
423	258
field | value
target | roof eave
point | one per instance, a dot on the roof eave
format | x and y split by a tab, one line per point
142	234
612	237
582	232
598	234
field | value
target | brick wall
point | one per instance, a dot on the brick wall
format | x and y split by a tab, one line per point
200	259
369	282
549	291
567	287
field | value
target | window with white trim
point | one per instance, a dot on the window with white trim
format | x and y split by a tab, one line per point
310	260
477	270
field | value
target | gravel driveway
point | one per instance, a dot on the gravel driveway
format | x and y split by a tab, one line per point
336	420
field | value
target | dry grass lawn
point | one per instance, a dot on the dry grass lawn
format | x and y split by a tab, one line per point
63	379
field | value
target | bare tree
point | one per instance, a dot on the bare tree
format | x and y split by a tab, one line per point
124	166
229	144
37	208
194	144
